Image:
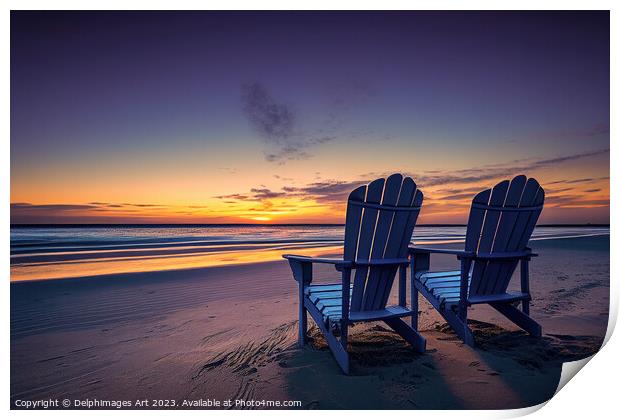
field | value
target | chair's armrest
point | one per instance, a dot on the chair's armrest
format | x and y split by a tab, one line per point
382	262
505	255
340	264
302	266
310	260
413	250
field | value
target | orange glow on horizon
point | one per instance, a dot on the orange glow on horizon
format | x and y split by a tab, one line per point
575	193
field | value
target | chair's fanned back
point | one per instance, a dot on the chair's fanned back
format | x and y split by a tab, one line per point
501	219
379	224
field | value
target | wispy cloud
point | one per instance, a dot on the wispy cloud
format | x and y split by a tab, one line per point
562	159
452	191
52	207
68	209
296	149
266	193
333	193
491	172
255	194
279	124
274	121
578	181
575	200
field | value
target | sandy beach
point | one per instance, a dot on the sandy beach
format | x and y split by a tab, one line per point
229	332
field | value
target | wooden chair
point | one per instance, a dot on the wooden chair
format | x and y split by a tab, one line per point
379	224
500	225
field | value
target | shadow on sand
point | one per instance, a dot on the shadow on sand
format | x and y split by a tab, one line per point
507	369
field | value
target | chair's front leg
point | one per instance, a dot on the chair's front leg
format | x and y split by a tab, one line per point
465	266
302	272
525	284
419	262
402	285
344	321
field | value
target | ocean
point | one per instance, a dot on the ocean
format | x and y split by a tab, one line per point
52	252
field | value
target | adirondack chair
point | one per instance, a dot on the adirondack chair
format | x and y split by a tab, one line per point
379	223
500	224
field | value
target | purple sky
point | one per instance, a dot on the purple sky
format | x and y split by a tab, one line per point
119	106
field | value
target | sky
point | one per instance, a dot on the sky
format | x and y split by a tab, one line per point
274	117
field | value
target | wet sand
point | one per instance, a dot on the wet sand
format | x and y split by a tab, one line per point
229	333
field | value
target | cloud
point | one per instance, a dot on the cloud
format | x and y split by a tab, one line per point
574	200
563	159
334	193
295	150
71	208
571	181
143	205
240	197
578	181
265	193
278	125
329	191
283	178
597	129
274	121
457	197
557	191
288	152
452	191
51	207
492	172
227	169
255	194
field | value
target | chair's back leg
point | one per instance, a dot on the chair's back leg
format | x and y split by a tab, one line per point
419	263
414	298
414	307
525	285
518	317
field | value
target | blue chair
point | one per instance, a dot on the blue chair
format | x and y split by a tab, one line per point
501	222
379	224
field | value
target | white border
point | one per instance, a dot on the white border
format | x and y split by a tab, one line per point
592	395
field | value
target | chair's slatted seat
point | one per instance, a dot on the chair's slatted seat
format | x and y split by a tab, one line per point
444	285
323	288
328	300
333	314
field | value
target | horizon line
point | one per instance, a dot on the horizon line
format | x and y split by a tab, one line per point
35	225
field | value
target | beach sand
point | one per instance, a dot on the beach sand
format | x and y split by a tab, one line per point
230	333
